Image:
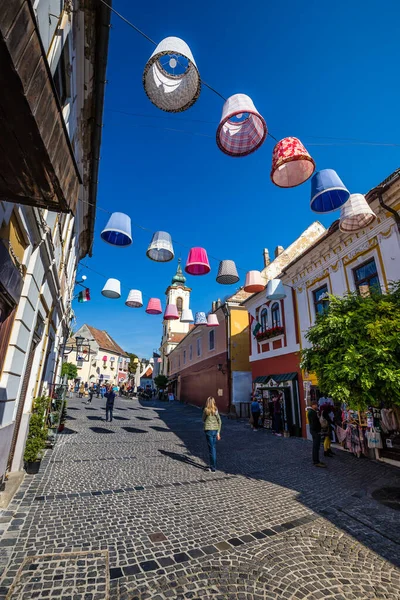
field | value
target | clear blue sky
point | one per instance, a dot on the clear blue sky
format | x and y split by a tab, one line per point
315	70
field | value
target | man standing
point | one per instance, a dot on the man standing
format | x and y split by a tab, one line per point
110	397
315	430
255	413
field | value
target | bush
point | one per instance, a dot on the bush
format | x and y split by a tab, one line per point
37	434
161	381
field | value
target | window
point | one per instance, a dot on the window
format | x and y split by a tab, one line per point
179	361
62	75
190	352
264	319
211	340
184	357
198	346
366	278
276	315
321	301
179	305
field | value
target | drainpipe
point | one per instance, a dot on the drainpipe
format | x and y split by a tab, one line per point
378	193
225	308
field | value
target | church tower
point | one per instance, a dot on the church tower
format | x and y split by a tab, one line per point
174	331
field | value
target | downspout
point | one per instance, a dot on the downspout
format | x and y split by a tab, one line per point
225	308
378	193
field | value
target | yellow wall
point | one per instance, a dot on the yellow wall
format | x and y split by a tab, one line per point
239	338
12	233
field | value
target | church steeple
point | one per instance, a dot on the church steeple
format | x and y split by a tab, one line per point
178	278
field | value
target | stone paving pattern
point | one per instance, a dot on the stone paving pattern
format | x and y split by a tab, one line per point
125	510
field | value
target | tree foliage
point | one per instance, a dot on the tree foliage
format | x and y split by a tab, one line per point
161	381
355	349
69	370
132	366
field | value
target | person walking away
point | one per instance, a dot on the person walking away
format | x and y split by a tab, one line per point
81	390
91	391
212	428
315	430
277	416
110	397
255	413
102	390
71	390
326	429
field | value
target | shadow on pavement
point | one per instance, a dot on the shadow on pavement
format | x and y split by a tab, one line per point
182	458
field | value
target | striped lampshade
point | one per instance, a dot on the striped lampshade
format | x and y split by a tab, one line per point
356	214
242	130
134	299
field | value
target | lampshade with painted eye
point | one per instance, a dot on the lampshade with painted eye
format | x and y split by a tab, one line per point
160	248
200	318
254	282
328	192
134	299
212	321
112	289
187	316
171	313
291	163
197	262
356	214
154	307
242	130
275	290
227	273
117	232
171	79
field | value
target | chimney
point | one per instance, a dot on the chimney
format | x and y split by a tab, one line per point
213	306
278	251
266	257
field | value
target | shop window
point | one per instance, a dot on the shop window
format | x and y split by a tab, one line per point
264	319
199	347
276	315
321	300
211	339
366	278
184	357
179	305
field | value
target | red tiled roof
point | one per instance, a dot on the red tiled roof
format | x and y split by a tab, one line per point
148	373
105	341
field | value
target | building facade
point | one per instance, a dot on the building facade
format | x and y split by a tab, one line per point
53	56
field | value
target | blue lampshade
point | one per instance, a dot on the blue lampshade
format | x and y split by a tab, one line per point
328	192
200	318
275	290
118	230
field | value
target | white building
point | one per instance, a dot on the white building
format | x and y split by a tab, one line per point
52	118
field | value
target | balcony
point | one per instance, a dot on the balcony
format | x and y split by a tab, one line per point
267	334
37	167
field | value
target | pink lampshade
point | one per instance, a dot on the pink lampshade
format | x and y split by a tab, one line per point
291	163
171	313
154	307
197	262
104	358
254	282
212	321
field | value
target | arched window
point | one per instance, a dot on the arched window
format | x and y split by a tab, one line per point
179	305
264	319
276	315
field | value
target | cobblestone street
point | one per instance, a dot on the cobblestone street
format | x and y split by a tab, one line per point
125	510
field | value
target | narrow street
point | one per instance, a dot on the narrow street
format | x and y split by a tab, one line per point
125	510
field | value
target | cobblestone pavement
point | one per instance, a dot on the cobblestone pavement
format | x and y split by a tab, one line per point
125	510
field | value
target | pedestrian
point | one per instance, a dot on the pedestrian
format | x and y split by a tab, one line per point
71	390
277	415
102	390
255	413
315	430
212	428
326	428
86	385
81	390
91	391
110	397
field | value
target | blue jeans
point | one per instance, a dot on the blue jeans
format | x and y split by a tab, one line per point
109	412
212	448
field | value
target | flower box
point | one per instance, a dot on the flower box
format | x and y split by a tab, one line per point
269	333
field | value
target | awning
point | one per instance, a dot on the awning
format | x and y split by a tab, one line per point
278	378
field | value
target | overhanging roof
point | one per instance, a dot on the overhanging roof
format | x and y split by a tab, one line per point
278	378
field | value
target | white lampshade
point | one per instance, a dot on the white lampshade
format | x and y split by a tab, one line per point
134	299
356	214
212	321
112	289
275	290
117	232
160	248
151	361
187	316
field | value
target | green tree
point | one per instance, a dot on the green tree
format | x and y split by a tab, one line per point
69	370
355	349
132	366
161	382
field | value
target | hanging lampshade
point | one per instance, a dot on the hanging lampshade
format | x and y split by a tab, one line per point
171	79
154	307
328	192
135	361
187	316
112	289
117	232
197	262
356	214
171	313
134	299
242	130
275	290
212	321
151	361
254	282
227	273
291	163
200	318
160	248
104	358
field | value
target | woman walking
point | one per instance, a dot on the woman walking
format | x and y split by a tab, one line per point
212	428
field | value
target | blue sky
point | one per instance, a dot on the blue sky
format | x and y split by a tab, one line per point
319	71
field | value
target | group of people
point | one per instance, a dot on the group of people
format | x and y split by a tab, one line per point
109	392
275	410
